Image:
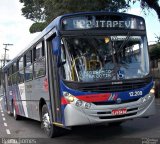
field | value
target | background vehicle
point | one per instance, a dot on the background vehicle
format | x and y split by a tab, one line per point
84	68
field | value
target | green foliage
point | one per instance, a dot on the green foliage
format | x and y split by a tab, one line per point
46	10
146	5
55	8
158	38
33	9
155	52
37	27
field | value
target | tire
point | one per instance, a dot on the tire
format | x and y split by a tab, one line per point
46	124
9	113
16	117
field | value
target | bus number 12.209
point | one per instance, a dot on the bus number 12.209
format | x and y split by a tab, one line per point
136	93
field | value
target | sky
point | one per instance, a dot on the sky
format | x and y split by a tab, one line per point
14	27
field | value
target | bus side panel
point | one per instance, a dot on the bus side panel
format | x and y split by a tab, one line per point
16	93
6	93
8	98
13	98
39	91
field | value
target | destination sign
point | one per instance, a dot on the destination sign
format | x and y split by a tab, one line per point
101	24
105	22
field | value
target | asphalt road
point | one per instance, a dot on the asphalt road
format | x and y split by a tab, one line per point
138	131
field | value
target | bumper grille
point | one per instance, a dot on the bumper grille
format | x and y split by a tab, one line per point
108	114
118	116
109	86
114	102
113	88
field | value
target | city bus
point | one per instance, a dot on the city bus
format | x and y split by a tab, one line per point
84	68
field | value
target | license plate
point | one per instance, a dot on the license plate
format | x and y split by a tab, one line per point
119	111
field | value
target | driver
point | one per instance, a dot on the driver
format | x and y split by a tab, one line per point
94	62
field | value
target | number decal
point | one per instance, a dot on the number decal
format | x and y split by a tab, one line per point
136	93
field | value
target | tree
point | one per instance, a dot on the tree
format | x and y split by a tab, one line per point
55	8
155	52
158	39
148	4
34	10
42	12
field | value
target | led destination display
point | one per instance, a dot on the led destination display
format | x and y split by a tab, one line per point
105	22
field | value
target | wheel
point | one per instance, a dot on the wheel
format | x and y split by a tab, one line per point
16	117
50	129
9	113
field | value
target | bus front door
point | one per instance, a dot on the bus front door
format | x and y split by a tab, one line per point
53	80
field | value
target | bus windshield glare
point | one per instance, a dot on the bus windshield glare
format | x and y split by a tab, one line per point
90	59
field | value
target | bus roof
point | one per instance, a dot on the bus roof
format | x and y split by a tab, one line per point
56	24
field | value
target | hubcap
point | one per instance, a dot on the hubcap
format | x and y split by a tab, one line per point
46	122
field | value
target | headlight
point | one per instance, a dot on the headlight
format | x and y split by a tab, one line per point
152	91
65	94
87	105
146	98
75	101
78	103
70	98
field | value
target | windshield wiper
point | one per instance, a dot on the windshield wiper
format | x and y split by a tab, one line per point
117	65
124	43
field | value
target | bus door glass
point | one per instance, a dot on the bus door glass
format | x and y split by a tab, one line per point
54	88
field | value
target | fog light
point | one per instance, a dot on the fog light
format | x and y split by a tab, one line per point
87	105
78	103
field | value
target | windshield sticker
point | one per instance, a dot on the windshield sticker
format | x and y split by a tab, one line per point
121	74
96	74
122	38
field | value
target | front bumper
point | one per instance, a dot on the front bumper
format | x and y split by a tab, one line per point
75	116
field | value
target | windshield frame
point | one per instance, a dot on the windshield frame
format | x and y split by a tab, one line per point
102	36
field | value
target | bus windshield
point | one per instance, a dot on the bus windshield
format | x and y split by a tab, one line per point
90	59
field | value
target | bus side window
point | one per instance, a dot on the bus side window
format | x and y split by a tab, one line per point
63	60
28	65
21	70
40	61
10	76
14	73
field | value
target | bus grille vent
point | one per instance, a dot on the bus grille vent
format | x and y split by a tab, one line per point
113	88
118	116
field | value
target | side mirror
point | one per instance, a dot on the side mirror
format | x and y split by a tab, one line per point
56	43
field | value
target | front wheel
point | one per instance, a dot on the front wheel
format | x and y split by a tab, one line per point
50	129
